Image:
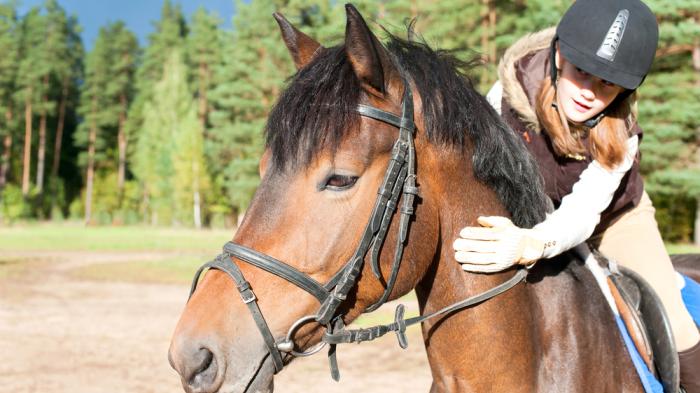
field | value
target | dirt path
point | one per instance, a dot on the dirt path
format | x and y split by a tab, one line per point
63	334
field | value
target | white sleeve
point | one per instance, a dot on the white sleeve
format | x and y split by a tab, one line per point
579	213
495	95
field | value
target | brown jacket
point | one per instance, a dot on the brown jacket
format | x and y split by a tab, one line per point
522	70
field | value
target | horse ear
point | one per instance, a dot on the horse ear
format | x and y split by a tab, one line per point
369	59
302	47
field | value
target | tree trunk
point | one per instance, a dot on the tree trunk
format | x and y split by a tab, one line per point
7	151
59	129
89	178
492	31
121	140
41	154
197	210
27	158
485	31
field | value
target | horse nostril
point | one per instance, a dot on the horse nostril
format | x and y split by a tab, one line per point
202	371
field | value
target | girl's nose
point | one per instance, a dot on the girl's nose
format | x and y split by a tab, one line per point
587	90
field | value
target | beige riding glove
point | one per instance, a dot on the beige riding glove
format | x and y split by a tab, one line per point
497	245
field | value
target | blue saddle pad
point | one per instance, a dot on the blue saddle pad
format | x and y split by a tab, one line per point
691	297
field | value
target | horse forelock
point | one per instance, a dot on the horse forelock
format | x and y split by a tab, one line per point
317	110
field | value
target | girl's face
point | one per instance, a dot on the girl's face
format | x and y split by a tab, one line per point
582	96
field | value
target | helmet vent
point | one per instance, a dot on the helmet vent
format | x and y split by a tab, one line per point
608	49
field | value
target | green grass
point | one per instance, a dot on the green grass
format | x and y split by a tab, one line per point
176	270
190	249
682	249
76	237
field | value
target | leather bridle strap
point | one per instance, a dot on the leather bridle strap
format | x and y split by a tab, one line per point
278	268
403	155
223	263
378	114
335	291
342	336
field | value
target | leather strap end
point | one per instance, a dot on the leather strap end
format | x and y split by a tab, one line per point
333	363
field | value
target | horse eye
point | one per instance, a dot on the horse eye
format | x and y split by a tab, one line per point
339	182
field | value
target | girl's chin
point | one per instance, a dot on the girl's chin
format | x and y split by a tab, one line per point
576	116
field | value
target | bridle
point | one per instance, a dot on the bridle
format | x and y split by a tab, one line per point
399	179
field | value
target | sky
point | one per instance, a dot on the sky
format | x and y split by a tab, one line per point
137	14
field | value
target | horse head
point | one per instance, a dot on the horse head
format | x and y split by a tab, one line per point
375	158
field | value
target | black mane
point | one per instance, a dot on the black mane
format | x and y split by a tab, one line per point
317	108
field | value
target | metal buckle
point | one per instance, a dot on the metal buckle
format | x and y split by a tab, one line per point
248	296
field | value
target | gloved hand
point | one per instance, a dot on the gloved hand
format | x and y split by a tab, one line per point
497	245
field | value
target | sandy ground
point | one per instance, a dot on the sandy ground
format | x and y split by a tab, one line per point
63	334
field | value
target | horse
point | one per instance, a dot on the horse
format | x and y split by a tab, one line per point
330	163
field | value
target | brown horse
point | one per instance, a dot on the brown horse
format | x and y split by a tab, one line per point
325	159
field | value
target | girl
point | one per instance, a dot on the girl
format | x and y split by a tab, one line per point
571	94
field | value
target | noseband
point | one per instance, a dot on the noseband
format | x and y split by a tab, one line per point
399	179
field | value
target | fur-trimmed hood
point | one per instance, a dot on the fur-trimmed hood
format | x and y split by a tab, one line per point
513	74
521	71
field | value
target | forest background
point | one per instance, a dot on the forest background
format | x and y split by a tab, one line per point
170	133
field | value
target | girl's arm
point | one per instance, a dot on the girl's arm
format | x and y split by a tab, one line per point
579	213
498	244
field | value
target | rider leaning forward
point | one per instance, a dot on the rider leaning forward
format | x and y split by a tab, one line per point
571	94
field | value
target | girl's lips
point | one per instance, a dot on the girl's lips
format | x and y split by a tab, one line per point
581	107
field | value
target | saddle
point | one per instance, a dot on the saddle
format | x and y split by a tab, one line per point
647	323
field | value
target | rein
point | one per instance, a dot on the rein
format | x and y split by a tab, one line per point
399	179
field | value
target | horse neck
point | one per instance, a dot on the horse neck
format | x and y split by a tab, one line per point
454	341
520	338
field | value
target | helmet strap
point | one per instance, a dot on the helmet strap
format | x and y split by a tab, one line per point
553	62
592	122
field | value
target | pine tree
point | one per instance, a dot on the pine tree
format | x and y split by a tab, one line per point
53	57
29	81
93	101
204	44
120	89
169	159
9	47
320	20
170	32
190	178
669	103
250	79
69	71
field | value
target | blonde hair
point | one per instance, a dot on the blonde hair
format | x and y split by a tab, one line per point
607	140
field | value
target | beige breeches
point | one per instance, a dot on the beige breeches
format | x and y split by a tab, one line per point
634	241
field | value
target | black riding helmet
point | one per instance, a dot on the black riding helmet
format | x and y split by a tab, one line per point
614	40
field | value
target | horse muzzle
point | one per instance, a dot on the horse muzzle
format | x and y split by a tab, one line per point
204	367
199	364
